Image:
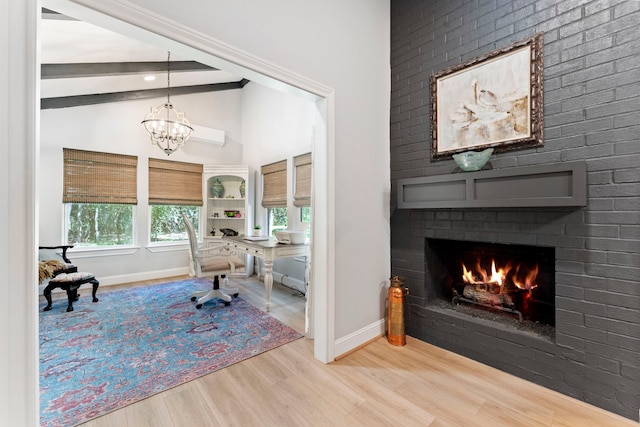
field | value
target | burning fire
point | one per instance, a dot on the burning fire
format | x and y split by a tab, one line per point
520	276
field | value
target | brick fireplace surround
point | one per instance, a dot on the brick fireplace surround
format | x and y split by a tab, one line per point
591	115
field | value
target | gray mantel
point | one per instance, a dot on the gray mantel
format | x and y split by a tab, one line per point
560	184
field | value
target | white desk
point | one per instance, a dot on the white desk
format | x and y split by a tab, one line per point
268	250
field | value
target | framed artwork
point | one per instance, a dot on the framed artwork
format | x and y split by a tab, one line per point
494	100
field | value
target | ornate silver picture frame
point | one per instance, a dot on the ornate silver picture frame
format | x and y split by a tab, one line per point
494	100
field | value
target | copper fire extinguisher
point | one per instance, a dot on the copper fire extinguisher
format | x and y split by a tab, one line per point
395	316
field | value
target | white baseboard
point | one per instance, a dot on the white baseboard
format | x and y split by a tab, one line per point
354	340
139	277
292	282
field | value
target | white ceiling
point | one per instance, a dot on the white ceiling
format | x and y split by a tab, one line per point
72	41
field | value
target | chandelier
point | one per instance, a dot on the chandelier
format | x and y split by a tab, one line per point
166	125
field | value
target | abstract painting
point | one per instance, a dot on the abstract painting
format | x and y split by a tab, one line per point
490	101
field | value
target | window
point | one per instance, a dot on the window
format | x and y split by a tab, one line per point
274	195
99	194
166	222
305	214
274	185
96	224
302	194
277	220
302	169
174	188
305	218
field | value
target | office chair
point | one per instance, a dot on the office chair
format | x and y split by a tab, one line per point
211	262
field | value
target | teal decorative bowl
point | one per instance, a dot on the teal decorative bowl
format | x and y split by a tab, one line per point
473	160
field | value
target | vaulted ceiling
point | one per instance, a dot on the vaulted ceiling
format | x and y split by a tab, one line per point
83	64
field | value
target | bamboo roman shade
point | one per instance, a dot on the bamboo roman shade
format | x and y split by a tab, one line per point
302	165
93	177
274	185
175	183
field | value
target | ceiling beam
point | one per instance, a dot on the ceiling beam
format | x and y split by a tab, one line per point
50	14
135	95
97	69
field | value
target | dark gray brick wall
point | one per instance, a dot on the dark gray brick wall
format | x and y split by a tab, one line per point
591	113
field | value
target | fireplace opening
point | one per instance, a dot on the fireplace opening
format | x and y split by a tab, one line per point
505	281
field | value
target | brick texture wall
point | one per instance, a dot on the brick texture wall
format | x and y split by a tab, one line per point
591	113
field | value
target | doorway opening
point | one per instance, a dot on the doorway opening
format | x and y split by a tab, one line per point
320	314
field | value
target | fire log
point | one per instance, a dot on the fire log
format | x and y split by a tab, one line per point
481	295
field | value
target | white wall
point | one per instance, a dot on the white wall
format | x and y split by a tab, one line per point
343	45
277	126
280	131
116	128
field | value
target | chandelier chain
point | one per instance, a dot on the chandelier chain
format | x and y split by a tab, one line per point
168	77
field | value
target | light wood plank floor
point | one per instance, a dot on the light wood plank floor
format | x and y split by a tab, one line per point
377	385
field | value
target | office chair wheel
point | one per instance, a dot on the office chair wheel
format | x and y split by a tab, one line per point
193	298
198	306
227	303
236	295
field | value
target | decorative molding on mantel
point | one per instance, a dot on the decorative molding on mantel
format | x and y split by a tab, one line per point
560	184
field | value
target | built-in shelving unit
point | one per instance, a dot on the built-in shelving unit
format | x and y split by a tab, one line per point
230	209
561	184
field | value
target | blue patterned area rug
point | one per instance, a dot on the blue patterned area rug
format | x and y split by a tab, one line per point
138	342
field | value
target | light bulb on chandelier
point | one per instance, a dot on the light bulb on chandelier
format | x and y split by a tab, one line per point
167	126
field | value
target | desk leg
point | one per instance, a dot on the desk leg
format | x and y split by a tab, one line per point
268	280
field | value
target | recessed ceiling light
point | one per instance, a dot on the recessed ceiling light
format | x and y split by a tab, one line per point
149	78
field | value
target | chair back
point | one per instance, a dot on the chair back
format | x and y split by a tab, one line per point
193	241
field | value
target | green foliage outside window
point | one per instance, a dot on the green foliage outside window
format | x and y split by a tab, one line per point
305	218
277	219
92	224
305	214
167	225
